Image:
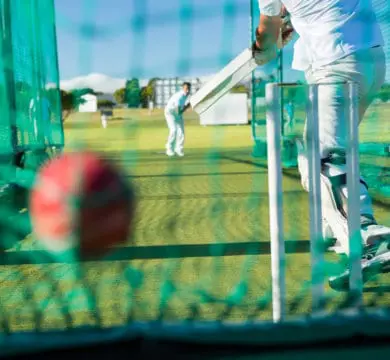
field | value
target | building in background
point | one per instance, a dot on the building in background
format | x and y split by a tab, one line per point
231	109
90	103
165	88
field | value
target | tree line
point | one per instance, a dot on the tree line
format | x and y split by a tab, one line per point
134	96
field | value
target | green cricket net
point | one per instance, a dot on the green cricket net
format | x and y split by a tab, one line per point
195	278
31	122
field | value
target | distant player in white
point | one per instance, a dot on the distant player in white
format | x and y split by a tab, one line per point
103	118
176	106
151	106
339	41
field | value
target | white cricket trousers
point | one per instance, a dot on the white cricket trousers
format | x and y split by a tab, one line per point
367	68
175	124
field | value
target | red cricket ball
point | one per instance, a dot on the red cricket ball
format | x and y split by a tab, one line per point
81	201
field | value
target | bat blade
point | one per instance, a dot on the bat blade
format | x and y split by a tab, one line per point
223	81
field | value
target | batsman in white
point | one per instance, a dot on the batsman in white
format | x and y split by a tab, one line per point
339	41
176	106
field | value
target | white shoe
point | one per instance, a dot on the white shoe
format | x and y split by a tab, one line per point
170	153
375	258
374	233
371	234
180	153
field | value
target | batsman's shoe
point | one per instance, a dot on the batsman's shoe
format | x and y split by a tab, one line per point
375	260
170	153
372	233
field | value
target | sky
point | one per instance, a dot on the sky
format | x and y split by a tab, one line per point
166	38
148	38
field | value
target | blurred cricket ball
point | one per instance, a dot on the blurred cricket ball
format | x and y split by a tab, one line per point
81	201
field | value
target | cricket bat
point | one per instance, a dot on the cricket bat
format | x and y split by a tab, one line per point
235	71
222	82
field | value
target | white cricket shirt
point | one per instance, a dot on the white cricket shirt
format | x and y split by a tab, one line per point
328	29
179	99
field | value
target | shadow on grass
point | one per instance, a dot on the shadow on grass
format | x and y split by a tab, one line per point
165	252
377	289
168	175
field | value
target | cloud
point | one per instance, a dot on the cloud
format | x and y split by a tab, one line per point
108	85
97	82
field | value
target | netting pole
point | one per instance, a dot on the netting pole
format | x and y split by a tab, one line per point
353	186
275	193
315	219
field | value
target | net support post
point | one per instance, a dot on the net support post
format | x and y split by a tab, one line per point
275	192
353	186
315	203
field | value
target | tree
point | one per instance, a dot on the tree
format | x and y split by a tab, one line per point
152	81
147	94
83	91
66	103
119	95
70	101
77	97
133	93
105	103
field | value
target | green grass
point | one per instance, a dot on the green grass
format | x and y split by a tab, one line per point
216	194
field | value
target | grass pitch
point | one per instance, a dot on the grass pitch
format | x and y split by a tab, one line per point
201	243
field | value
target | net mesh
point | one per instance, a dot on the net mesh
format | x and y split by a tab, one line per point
200	249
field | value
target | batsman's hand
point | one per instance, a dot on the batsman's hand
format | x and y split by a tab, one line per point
286	34
287	30
263	56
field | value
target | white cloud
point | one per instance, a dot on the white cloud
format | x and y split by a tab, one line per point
97	82
108	85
